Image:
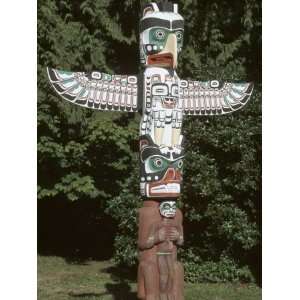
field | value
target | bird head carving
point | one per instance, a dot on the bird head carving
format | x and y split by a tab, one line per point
161	35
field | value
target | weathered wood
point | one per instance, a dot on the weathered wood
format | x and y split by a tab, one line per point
160	275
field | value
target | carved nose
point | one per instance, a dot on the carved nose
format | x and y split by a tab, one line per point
171	174
169	100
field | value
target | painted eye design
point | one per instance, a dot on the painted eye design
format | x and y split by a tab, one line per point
179	35
166	206
160	34
180	164
157	162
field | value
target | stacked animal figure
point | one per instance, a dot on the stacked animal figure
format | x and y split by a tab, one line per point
165	101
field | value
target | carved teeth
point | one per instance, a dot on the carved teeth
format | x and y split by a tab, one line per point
166	188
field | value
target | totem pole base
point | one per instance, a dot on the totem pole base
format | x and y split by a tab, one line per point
160	275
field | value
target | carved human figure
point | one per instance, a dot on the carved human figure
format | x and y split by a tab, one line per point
160	275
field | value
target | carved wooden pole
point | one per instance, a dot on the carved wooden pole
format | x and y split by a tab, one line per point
164	100
160	275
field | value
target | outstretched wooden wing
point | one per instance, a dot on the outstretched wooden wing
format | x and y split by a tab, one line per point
96	90
213	97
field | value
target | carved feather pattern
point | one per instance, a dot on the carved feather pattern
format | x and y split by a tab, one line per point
96	90
213	97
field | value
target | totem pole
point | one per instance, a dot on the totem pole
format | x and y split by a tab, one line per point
163	99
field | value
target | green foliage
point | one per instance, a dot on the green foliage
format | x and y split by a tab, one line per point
124	209
84	154
226	269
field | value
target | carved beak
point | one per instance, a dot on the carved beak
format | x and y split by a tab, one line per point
167	57
171	47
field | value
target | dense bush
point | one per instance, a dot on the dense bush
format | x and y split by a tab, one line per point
93	155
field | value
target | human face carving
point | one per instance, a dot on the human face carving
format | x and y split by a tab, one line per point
168	209
168	94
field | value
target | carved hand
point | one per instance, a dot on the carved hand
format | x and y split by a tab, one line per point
162	234
173	234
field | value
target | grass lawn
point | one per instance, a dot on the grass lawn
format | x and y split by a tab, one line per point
62	280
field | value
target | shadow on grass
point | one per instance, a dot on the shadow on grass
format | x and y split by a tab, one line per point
121	274
119	291
84	295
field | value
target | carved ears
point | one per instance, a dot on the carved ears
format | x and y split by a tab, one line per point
146	141
143	144
150	8
163	6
